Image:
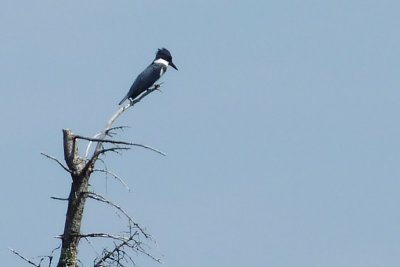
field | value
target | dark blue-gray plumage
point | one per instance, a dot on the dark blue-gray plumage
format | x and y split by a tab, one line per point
150	75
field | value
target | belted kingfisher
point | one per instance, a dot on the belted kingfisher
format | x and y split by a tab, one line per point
150	75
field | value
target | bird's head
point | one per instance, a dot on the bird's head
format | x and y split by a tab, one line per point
163	53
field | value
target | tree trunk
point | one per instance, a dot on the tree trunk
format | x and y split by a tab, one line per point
76	201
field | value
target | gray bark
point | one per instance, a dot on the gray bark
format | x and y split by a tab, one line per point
80	174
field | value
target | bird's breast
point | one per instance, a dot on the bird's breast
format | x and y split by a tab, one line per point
162	71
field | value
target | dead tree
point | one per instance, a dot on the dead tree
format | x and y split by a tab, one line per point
80	167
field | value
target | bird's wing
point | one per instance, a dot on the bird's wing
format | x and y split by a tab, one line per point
144	81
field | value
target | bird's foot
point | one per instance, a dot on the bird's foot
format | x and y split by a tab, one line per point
156	87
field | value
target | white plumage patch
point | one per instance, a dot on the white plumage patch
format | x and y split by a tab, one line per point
161	61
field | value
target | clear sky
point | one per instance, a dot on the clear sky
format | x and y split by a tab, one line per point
281	127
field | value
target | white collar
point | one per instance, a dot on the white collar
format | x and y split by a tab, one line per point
161	61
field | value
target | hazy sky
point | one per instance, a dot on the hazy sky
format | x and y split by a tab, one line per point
281	127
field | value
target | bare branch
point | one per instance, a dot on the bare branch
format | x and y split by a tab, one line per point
103	151
90	144
56	160
60	198
100	198
141	250
118	254
42	258
148	147
24	258
106	235
115	176
112	149
100	140
50	257
110	132
118	113
156	87
109	255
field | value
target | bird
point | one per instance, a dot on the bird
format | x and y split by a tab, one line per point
150	75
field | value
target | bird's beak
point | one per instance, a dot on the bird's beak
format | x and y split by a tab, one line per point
173	65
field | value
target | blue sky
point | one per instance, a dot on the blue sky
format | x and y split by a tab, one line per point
280	127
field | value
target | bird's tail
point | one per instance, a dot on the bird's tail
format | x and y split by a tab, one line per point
122	101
